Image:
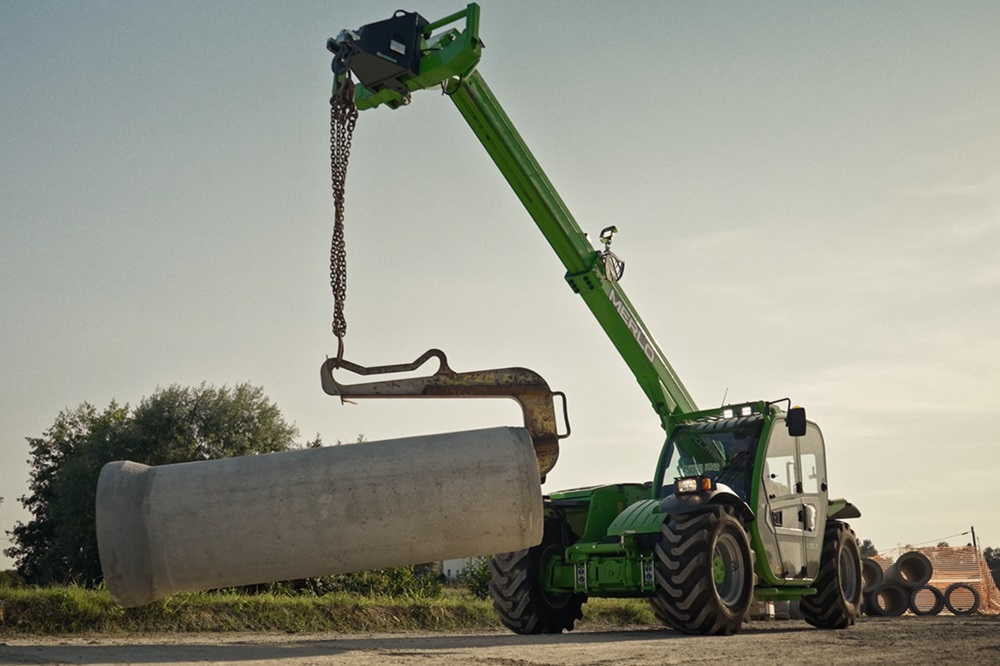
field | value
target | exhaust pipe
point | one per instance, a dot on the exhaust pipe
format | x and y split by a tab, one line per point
315	512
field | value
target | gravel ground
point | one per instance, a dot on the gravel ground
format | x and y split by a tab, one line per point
906	640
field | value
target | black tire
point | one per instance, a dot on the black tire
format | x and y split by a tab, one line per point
704	573
837	602
660	611
518	596
921	609
961	610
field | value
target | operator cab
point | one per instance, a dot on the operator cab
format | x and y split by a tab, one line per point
722	450
770	468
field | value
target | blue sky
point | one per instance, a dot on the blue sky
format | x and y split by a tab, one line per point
808	199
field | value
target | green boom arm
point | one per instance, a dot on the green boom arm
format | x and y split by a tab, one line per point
449	60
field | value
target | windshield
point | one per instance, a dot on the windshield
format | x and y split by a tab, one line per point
725	454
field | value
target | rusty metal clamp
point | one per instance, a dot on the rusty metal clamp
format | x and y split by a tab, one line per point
525	386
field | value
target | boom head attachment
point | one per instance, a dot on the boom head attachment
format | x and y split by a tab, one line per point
394	57
381	54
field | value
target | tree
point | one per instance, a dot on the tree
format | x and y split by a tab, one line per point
868	549
59	544
992	557
416	580
476	577
942	544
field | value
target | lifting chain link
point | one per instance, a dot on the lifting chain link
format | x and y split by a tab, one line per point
343	116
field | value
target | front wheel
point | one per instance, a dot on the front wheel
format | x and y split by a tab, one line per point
518	588
837	602
704	573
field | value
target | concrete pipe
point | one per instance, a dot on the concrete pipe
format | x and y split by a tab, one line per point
926	600
890	600
962	599
871	575
869	604
912	569
315	512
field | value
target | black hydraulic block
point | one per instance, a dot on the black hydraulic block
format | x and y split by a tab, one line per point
388	50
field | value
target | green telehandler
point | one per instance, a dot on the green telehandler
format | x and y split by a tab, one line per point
738	509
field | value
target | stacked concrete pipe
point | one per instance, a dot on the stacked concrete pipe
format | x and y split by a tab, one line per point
961	598
910	570
903	587
315	512
871	580
926	600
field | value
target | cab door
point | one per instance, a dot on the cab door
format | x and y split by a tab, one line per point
792	501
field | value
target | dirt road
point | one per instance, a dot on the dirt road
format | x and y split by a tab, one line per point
909	640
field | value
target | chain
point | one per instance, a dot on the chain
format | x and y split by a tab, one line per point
343	116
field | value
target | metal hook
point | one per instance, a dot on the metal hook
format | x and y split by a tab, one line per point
525	386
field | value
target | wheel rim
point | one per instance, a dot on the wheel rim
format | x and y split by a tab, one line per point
718	569
848	573
727	569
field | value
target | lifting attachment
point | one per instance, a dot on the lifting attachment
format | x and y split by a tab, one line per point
525	386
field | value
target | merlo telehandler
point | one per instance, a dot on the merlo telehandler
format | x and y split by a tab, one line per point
738	508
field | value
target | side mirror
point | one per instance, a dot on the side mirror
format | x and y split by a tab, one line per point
796	421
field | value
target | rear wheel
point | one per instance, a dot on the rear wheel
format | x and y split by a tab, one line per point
519	596
704	573
837	602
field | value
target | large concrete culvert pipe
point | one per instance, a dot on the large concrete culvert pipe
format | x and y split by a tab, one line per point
890	600
962	599
871	575
315	512
926	600
911	570
871	580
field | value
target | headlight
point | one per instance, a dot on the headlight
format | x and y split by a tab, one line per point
688	485
692	484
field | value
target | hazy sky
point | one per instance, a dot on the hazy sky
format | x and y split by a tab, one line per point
808	199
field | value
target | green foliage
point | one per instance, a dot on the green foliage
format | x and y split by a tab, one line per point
63	610
476	577
992	557
56	610
72	609
10	578
411	581
59	544
868	549
613	612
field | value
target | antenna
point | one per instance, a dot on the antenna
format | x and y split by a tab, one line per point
724	396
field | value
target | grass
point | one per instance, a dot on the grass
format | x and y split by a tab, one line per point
74	610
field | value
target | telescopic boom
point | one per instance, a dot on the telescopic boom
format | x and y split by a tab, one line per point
398	56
